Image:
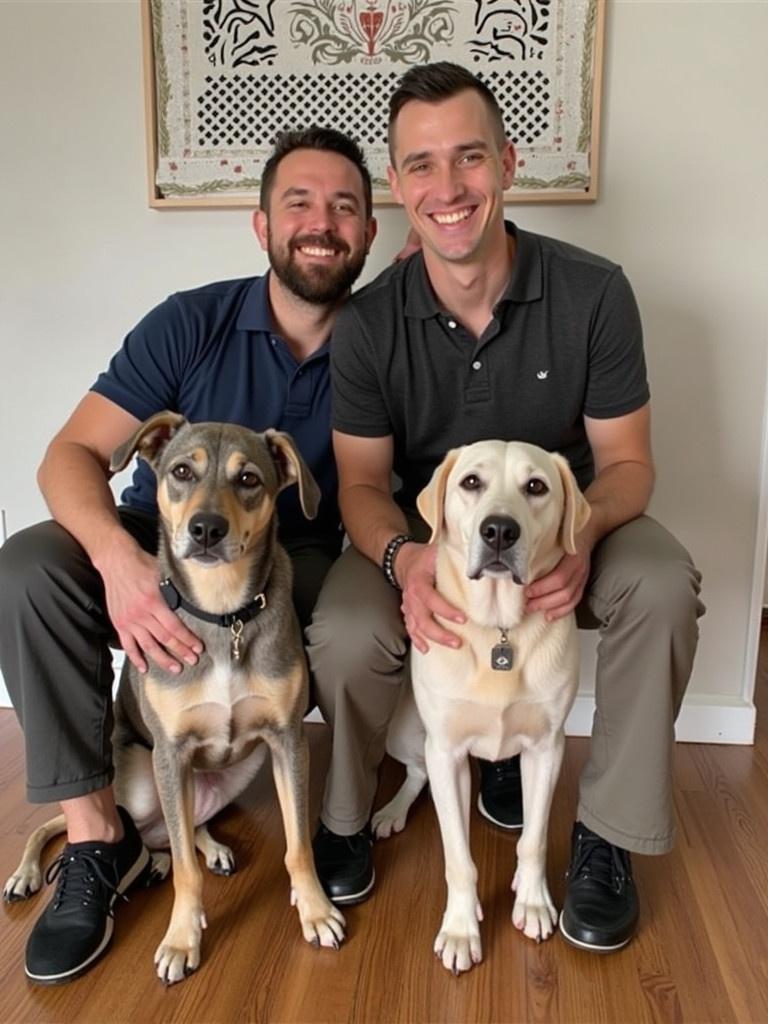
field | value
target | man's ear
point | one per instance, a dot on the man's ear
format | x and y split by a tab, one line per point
371	229
261	227
508	164
394	184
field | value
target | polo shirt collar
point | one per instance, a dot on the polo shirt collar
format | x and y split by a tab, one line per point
255	313
525	284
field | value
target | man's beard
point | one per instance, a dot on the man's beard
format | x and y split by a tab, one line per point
315	283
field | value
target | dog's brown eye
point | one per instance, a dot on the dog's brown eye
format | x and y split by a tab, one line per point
182	471
248	479
536	488
471	483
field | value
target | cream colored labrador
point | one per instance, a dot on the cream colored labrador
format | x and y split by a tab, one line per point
502	515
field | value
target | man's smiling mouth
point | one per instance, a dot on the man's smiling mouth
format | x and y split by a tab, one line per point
453	218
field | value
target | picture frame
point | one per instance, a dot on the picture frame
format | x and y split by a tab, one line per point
223	77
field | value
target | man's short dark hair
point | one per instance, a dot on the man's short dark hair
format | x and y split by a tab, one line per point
433	83
315	137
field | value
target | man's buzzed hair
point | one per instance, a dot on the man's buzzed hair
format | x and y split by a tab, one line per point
433	83
315	137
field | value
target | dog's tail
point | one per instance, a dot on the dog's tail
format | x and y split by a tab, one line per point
27	878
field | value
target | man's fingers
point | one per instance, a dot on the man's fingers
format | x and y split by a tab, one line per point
155	652
132	652
171	632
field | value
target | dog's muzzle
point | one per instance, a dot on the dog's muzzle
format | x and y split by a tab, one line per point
206	532
494	552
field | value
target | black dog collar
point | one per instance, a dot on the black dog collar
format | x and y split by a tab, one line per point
249	611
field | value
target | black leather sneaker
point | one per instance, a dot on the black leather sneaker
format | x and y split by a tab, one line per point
601	908
500	799
76	927
344	864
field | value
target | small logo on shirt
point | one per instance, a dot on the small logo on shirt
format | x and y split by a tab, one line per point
542	374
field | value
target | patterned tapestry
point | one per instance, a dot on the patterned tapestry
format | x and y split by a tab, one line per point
229	75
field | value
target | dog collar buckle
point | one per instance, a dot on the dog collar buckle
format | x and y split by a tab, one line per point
502	654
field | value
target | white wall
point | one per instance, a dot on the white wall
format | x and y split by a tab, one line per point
683	206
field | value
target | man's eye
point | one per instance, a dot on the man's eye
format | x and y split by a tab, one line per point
182	472
249	479
471	483
536	487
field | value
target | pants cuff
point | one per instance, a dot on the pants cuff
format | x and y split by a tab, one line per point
69	790
635	844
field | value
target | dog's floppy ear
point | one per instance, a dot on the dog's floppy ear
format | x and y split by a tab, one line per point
148	441
291	468
431	500
576	510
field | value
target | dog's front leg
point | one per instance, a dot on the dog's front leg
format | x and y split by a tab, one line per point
533	911
321	923
179	952
458	941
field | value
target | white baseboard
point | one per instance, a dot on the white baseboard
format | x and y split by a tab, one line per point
703	718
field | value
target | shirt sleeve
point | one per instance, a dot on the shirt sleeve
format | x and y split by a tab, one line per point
618	381
358	401
144	376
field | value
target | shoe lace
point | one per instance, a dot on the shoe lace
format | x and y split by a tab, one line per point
507	770
601	861
82	879
352	843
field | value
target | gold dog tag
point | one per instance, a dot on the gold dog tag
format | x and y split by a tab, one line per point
502	657
237	632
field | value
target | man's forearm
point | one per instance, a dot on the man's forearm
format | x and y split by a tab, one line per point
371	518
618	493
76	489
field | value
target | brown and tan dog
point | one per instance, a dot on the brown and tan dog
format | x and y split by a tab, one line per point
186	745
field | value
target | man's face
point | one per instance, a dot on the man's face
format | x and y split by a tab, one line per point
450	171
316	231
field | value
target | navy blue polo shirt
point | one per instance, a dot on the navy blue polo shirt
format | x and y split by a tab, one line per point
212	354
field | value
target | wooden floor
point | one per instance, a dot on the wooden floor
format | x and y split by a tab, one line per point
701	955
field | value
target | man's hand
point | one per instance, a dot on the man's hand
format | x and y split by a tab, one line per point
411	245
415	571
558	593
145	625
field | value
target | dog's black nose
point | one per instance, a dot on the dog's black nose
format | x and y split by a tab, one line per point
208	529
499	532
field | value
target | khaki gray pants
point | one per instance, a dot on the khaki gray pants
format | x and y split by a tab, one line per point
642	595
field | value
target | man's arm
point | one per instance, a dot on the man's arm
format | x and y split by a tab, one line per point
74	479
621	490
372	518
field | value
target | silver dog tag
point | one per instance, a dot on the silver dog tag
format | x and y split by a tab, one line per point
502	657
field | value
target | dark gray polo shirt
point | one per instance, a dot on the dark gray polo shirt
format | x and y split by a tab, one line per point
565	341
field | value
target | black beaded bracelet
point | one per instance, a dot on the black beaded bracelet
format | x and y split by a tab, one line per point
388	561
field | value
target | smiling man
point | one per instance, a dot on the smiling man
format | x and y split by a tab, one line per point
491	331
252	351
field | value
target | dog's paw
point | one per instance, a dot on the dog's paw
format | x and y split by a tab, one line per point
23	883
388	820
160	867
218	858
322	924
533	912
221	861
458	943
178	955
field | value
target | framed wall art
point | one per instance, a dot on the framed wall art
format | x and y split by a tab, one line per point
224	77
